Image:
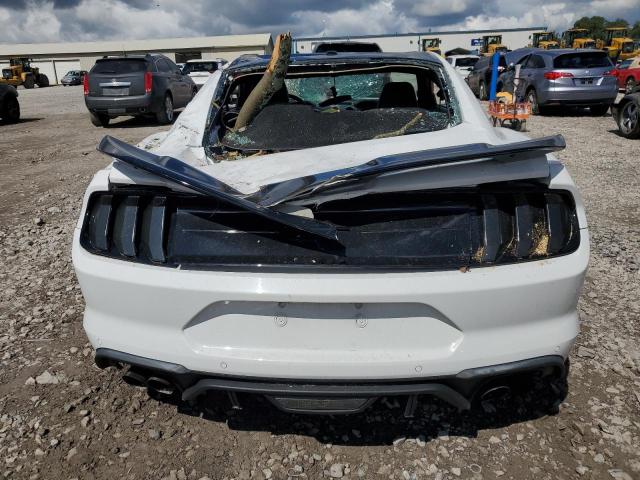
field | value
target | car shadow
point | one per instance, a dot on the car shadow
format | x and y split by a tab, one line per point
571	112
137	122
615	131
22	120
383	423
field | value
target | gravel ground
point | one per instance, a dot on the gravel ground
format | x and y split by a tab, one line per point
61	417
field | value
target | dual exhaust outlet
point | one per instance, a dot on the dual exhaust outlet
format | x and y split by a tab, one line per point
156	386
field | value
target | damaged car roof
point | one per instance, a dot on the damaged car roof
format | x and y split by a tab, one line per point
250	61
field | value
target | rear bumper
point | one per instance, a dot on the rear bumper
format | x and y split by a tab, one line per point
126	105
299	396
601	95
340	326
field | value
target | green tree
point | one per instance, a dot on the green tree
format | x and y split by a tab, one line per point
595	25
635	30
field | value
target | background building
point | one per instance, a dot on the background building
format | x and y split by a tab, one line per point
411	42
56	59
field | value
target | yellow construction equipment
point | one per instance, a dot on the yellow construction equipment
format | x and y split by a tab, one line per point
432	45
617	44
492	44
544	40
20	72
577	38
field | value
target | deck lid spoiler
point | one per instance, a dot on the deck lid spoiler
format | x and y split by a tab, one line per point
184	174
276	193
180	172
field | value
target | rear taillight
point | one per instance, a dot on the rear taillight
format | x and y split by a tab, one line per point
85	84
428	230
148	82
557	75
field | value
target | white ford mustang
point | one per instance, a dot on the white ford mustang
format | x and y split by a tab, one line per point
361	232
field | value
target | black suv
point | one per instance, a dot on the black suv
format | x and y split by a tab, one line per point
148	84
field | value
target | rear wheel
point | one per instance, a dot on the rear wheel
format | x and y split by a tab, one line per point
29	82
10	110
628	118
99	119
630	85
43	80
482	91
532	98
165	115
599	110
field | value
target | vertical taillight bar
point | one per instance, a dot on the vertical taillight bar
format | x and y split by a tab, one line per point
148	82
85	83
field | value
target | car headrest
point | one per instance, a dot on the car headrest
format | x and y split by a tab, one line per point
397	94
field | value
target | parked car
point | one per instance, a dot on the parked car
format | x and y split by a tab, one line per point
201	70
628	74
627	114
479	79
135	85
463	63
9	105
565	77
73	77
348	234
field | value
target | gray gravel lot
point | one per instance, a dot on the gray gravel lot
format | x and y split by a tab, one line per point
61	417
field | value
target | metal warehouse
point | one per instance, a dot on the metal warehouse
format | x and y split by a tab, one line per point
407	42
56	59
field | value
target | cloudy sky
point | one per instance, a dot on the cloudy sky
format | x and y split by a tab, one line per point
32	21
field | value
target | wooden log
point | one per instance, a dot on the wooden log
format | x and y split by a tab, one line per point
269	84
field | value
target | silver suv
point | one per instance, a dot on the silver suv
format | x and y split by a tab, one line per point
565	77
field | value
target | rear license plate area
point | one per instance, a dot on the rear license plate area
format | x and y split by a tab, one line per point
585	81
115	92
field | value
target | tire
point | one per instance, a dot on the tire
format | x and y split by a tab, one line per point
99	119
29	82
628	118
165	115
482	91
532	98
10	110
43	80
629	85
599	110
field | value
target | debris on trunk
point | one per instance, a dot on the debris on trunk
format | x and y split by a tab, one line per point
269	84
402	130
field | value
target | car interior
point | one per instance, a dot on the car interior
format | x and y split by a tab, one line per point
336	107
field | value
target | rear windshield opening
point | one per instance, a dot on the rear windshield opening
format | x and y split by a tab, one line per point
200	67
466	62
582	60
317	109
119	66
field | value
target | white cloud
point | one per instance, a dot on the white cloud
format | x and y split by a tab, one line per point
378	17
433	8
83	20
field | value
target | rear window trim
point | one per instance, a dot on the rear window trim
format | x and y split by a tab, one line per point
101	61
224	90
601	54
